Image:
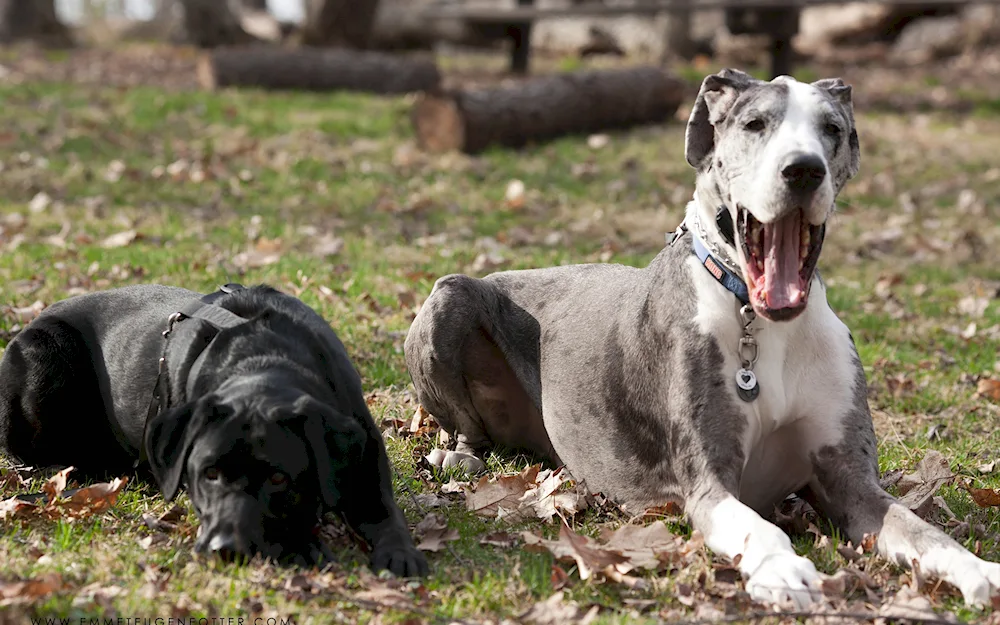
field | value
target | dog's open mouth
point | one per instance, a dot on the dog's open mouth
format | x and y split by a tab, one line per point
780	261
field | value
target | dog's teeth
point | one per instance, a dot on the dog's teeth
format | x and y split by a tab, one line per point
760	265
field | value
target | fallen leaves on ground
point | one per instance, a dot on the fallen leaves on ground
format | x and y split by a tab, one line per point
533	493
264	252
556	611
83	502
918	488
29	590
121	239
166	522
628	548
988	388
501	540
433	533
984	497
909	603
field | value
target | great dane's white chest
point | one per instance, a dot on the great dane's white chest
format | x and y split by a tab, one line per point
806	373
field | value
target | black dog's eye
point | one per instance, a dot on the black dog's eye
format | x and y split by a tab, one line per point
211	474
279	479
755	125
832	130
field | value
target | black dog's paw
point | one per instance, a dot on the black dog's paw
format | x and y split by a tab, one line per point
402	559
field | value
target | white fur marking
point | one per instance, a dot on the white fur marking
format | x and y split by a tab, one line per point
776	573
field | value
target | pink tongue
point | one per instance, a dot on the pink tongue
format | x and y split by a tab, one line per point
782	288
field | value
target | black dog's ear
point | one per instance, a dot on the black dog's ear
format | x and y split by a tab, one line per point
168	441
717	95
337	443
841	94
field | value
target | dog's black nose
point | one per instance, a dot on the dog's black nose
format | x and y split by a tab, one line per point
803	172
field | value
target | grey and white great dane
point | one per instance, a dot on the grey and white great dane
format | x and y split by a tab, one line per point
642	381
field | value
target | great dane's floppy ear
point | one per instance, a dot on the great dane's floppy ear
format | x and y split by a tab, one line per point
168	441
336	442
718	94
841	94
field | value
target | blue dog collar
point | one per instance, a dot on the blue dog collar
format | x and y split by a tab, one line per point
726	278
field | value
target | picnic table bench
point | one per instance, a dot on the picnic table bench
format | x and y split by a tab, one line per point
777	18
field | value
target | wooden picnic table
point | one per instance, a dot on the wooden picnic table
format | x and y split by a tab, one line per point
779	19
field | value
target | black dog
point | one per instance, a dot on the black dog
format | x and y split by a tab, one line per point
258	411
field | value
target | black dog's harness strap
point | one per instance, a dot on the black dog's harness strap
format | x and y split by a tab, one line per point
203	308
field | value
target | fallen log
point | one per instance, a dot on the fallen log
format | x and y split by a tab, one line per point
544	108
315	69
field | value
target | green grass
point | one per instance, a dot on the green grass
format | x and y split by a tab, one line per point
281	170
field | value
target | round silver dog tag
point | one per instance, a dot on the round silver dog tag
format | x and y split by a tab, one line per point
746	385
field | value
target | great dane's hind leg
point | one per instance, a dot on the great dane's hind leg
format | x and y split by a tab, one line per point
463	378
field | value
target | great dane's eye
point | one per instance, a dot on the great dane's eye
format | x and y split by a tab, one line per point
211	474
755	125
279	479
832	130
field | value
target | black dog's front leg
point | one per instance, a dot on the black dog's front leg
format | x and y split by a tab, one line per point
370	509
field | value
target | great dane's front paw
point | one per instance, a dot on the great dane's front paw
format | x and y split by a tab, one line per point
786	578
447	459
978	581
399	557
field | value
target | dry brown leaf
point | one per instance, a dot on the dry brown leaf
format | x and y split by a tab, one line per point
418	418
85	501
327	245
456	486
849	553
556	611
96	498
430	500
531	494
253	259
984	497
154	539
590	557
988	388
385	596
56	484
918	488
502	540
489	498
434	533
27	313
166	522
647	546
26	591
550	496
15	508
121	239
909	603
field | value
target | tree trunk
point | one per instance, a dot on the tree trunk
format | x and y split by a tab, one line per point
404	25
315	69
255	5
678	35
545	108
211	23
341	23
33	20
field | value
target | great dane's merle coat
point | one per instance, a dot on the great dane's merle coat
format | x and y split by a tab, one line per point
627	375
265	421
